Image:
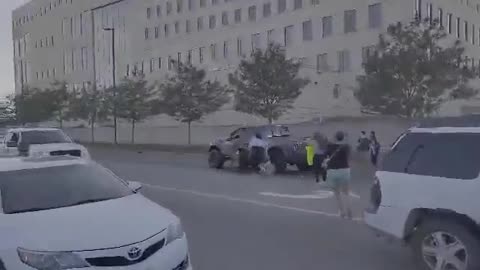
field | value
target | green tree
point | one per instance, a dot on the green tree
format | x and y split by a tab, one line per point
90	105
268	84
58	101
414	70
188	96
31	106
136	100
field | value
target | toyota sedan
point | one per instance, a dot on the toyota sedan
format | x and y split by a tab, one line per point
66	213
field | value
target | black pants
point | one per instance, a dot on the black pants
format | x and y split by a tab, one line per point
257	156
374	159
318	170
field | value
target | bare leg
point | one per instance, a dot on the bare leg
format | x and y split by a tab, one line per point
338	197
345	194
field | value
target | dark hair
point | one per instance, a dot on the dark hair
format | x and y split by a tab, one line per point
258	135
363	132
339	136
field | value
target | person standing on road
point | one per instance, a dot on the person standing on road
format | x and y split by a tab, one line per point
258	151
363	142
319	143
338	173
374	148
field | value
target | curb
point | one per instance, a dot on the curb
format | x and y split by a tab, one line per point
193	149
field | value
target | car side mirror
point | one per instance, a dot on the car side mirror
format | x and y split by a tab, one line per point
11	144
135	186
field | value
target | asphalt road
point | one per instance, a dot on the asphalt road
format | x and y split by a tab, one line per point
244	221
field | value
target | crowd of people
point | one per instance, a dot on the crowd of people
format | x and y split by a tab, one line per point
330	163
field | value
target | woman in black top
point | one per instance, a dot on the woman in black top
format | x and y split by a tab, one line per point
338	173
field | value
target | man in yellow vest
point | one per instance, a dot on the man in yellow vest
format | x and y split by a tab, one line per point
316	154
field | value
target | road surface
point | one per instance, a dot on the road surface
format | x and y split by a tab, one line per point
244	221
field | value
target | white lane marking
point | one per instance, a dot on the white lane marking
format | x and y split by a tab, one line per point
352	194
320	194
253	202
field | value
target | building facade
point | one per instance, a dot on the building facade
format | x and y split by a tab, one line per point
73	41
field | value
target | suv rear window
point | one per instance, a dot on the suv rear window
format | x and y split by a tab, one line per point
449	155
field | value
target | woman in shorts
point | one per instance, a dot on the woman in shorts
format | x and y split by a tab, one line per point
338	173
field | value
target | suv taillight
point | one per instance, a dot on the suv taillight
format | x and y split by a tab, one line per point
375	196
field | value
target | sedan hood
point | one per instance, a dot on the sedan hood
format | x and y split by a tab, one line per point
100	225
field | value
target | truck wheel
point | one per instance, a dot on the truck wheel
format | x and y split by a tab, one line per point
278	160
215	159
445	244
243	162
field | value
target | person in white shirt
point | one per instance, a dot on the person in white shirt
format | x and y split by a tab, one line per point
258	151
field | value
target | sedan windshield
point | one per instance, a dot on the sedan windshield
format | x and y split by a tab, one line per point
57	187
44	137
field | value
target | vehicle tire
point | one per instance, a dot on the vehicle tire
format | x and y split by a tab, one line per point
215	159
243	159
278	160
438	235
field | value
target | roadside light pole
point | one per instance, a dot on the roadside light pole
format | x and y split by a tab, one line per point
112	30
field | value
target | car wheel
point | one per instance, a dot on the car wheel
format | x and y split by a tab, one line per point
278	160
215	159
243	162
441	244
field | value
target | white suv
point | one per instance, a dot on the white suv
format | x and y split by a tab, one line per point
426	193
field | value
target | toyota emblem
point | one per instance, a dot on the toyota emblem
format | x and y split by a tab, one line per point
134	253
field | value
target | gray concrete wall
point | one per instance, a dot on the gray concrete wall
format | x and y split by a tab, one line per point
388	129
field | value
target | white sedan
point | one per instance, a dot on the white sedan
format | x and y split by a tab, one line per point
66	213
38	142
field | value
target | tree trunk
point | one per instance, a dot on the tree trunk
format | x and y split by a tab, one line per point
133	131
92	130
189	132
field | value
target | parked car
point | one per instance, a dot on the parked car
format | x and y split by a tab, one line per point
426	194
283	148
41	142
66	213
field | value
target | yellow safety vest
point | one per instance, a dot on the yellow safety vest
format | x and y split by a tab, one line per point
310	154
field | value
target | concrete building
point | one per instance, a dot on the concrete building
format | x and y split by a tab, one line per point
71	40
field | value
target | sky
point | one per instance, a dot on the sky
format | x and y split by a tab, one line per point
6	50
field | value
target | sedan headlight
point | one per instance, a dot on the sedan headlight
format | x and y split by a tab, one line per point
174	232
51	260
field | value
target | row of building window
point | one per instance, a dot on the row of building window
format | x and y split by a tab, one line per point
46	42
462	29
40	12
46	74
158	64
375	20
75	60
191	5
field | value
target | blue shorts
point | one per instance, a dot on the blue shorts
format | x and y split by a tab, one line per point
338	178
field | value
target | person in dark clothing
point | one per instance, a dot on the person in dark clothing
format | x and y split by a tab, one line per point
319	143
363	142
338	173
374	148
